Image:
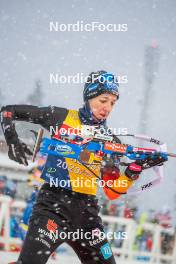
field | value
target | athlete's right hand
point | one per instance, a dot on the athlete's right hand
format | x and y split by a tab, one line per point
18	152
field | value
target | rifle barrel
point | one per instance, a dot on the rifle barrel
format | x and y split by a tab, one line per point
173	155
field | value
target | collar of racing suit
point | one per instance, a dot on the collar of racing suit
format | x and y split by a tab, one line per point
86	116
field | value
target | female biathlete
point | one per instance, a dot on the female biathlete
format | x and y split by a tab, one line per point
61	211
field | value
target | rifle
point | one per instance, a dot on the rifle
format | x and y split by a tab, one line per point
76	145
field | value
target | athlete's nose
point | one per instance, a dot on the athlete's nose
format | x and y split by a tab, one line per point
108	108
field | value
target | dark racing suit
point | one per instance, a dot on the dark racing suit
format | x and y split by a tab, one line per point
58	211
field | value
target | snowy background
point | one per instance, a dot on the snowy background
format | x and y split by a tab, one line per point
30	52
64	259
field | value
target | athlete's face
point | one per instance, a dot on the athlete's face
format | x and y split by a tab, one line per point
102	105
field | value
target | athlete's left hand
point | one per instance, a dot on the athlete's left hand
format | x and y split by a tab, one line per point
133	171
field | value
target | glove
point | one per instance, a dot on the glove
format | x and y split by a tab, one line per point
110	170
18	151
110	173
133	170
155	161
